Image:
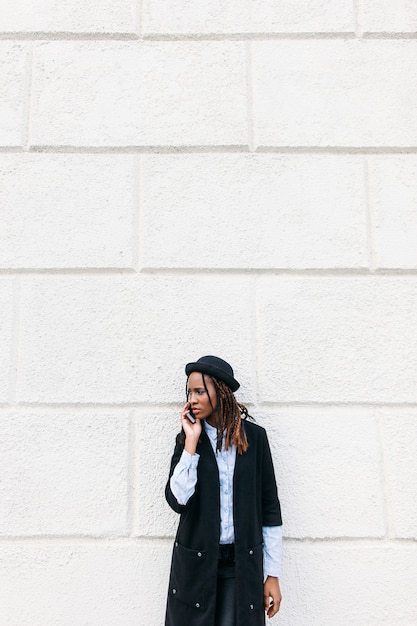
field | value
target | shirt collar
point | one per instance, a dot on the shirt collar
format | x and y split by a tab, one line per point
210	430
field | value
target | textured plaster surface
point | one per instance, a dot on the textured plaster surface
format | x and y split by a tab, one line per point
178	179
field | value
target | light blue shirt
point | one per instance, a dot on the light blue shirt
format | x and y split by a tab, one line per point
183	482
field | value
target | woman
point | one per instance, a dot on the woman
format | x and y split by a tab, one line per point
222	483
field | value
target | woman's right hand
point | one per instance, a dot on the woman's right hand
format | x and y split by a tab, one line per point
192	431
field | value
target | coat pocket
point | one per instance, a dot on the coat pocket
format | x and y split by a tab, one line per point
254	596
187	581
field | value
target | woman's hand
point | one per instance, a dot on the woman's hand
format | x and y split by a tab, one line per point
192	431
272	595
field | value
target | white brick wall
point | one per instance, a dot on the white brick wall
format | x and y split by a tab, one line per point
363	583
64	475
83	582
345	339
7	304
393	180
324	93
382	16
247	16
13	75
331	479
72	16
243	200
236	178
116	340
399	427
138	93
73	210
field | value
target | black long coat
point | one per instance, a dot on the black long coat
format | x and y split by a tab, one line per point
192	585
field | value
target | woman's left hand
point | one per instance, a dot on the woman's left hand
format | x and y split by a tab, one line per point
272	595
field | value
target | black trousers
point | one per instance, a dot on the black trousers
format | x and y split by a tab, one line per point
226	599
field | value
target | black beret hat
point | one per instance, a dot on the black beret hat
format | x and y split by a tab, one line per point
216	367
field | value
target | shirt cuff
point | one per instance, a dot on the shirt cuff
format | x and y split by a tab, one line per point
272	538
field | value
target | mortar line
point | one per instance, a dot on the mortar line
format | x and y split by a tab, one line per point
66	271
256	332
251	36
116	411
134	37
139	149
338	404
174	37
250	97
48	36
386	492
15	340
289	273
213	149
370	219
11	149
152	540
284	273
389	36
139	15
27	107
357	17
137	201
132	504
279	273
336	150
119	407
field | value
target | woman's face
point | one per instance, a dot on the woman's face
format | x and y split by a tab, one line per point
197	395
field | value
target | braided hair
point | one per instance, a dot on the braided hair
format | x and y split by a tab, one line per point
229	415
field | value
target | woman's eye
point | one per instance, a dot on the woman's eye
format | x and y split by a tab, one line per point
199	392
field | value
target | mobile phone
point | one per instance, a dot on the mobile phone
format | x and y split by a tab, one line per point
191	416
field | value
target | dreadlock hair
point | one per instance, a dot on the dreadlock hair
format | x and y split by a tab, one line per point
229	414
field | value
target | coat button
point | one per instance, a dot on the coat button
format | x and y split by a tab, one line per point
199	554
174	591
251	607
251	552
176	544
197	605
